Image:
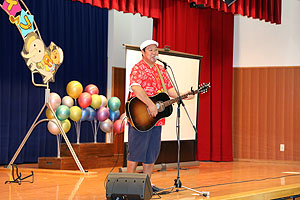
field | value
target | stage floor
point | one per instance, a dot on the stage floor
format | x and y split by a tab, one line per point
223	180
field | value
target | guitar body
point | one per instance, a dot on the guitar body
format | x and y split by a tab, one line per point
138	115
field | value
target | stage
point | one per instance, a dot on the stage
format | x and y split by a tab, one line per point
223	180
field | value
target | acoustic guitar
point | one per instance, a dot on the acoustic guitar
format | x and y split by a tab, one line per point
138	113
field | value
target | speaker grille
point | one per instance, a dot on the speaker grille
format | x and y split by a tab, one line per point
128	186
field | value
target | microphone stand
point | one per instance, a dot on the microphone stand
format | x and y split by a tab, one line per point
177	181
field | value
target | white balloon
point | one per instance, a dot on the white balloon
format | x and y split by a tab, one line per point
106	126
53	128
103	100
68	101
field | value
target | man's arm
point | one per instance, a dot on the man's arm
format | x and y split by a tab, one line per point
141	94
172	93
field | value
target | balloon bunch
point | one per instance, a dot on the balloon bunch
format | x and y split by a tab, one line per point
62	113
62	110
95	108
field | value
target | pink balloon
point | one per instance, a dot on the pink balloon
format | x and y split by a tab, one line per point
53	128
84	100
119	126
92	89
102	113
54	100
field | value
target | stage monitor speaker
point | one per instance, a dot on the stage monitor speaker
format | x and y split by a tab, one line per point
128	186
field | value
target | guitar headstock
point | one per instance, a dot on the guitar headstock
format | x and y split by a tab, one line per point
203	87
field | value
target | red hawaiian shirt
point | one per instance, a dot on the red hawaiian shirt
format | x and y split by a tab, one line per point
147	77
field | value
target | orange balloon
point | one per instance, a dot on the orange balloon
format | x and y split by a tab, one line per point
74	89
49	114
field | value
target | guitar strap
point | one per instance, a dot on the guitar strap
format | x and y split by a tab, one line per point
161	79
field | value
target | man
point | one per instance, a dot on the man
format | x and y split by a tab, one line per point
145	81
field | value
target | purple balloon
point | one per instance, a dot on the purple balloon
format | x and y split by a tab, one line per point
102	113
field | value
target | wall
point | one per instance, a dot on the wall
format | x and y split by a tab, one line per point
266	87
124	28
257	43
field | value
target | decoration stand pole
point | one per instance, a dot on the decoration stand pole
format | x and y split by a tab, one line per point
56	121
77	127
109	137
58	137
95	127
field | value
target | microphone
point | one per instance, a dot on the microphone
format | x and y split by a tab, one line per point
163	62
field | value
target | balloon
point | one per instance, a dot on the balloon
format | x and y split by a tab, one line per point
84	100
106	126
114	103
114	115
92	114
54	100
49	114
85	114
74	89
66	125
102	113
68	101
53	128
103	100
119	126
63	112
75	113
92	89
96	101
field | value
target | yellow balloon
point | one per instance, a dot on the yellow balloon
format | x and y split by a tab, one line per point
74	89
66	125
96	101
49	114
75	113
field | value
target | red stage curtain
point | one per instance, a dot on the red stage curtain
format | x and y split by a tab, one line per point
268	10
208	33
148	8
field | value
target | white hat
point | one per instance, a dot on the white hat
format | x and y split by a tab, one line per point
147	43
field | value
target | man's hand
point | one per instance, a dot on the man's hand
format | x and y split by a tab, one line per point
152	110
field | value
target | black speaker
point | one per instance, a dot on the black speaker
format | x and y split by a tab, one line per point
128	186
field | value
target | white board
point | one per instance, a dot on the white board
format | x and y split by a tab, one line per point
186	69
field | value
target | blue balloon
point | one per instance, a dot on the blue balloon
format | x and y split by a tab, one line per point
92	114
114	115
85	114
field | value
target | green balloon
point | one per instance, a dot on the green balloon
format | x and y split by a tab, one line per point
62	112
114	103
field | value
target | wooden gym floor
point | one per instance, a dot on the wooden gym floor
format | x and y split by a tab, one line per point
223	180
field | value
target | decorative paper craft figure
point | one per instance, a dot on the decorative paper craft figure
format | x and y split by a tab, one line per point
39	58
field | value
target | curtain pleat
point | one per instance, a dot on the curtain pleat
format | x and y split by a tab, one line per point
208	33
148	8
268	10
81	31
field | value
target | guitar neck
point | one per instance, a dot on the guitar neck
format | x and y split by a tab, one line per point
176	100
202	89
